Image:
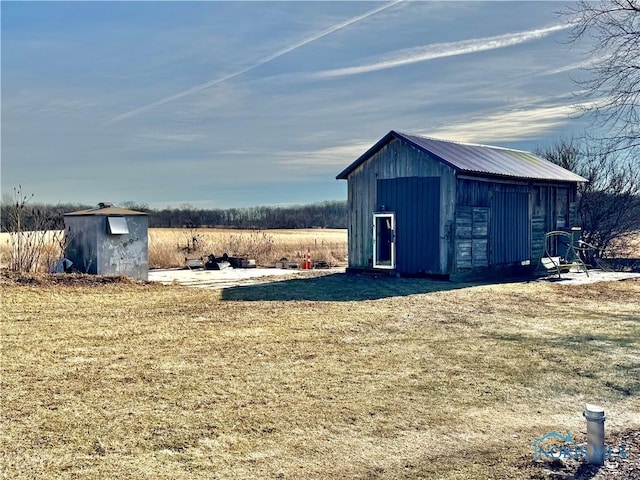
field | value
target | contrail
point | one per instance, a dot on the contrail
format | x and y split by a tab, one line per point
441	50
267	59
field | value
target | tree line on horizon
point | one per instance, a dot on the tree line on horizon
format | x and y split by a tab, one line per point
329	214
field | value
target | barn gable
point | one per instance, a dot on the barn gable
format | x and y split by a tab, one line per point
423	206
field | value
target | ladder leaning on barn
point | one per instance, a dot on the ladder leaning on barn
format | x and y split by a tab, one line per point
554	263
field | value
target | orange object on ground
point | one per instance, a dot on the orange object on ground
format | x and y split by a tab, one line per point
306	263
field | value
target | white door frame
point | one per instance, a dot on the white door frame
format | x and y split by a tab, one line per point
390	228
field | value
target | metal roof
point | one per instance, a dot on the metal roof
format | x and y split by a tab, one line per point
106	210
476	159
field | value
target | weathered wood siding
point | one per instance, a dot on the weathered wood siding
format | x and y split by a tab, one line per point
395	160
500	214
519	215
472	237
554	207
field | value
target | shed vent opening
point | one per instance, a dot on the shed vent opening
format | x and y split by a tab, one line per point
117	225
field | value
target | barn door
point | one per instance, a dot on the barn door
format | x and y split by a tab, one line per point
384	240
415	203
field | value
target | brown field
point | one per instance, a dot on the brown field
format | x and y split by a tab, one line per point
330	377
168	246
627	247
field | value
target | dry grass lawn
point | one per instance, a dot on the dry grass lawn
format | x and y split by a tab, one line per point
335	377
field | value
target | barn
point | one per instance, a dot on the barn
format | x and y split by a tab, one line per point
422	206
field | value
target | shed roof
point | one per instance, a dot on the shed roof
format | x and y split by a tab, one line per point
476	159
107	209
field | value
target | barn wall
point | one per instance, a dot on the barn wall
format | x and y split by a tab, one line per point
510	230
503	223
483	222
396	159
493	223
554	207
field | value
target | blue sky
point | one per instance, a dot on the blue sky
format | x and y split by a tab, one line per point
231	104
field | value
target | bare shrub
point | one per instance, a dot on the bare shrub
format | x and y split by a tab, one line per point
32	243
255	244
332	253
192	242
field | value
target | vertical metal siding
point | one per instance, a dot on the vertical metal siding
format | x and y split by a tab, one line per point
473	193
510	227
416	202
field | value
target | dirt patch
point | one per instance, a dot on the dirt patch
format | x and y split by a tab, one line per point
623	469
69	279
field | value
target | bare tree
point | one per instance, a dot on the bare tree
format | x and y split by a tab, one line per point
33	244
612	86
609	202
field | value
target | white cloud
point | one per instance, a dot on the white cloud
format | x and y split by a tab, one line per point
337	156
267	59
511	125
171	137
583	64
441	50
515	124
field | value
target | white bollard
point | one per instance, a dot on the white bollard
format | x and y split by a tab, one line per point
595	434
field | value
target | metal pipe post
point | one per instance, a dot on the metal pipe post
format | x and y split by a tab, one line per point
595	434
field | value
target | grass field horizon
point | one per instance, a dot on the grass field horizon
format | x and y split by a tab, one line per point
414	379
168	247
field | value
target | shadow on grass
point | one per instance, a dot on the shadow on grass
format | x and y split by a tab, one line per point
338	287
559	469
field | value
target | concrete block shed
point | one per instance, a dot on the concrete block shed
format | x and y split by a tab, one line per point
418	205
108	240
